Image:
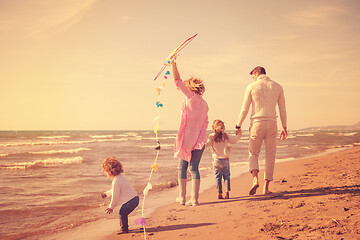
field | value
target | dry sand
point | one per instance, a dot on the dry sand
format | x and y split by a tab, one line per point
313	198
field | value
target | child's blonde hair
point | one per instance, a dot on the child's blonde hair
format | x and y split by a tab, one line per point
112	166
196	85
219	129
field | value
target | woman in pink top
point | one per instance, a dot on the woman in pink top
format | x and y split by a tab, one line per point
192	136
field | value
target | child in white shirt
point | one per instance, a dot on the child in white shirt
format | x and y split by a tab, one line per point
221	151
121	192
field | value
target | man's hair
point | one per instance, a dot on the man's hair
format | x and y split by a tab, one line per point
112	166
259	70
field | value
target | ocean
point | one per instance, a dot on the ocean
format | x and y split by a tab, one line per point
51	180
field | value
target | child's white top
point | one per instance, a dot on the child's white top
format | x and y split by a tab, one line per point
121	191
221	149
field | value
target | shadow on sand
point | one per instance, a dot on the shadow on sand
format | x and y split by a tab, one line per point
353	190
176	227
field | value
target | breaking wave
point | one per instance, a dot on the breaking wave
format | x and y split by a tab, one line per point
41	163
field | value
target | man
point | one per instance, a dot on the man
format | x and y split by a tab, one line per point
263	94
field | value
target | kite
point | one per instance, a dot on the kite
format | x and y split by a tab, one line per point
170	58
159	106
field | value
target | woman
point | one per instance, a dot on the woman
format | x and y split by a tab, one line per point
192	137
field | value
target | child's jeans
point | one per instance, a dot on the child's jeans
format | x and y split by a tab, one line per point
222	170
194	165
125	210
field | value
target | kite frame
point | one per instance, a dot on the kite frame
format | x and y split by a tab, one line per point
173	53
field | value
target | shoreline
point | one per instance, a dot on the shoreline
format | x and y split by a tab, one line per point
106	228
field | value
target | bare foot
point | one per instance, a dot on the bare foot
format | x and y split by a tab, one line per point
253	189
266	192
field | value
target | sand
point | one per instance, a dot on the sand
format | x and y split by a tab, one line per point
313	198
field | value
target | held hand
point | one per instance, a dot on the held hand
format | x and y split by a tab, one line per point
283	134
109	210
103	195
238	131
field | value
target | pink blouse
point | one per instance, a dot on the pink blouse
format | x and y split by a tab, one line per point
194	120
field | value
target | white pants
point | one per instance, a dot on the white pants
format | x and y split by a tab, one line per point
263	131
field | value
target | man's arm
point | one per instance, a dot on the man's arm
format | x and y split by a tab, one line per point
245	107
283	115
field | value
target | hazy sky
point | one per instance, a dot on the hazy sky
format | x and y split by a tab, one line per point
90	64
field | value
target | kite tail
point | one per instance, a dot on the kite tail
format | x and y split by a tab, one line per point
159	105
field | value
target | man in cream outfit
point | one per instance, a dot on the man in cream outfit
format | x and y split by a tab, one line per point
263	94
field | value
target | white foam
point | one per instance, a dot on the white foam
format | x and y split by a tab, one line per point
43	162
305	135
102	136
153	146
121	135
76	150
133	134
348	134
306	147
170	134
160	138
112	140
3	155
31	143
54	137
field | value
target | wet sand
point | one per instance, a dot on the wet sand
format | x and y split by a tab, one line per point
313	198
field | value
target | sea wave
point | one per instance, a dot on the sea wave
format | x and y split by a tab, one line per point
133	134
3	155
102	136
153	146
76	150
112	140
41	163
307	147
305	135
348	134
170	134
31	143
50	143
160	138
53	137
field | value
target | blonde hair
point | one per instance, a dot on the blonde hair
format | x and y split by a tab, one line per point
112	166
196	85
219	129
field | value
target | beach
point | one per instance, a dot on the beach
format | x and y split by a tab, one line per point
52	181
313	198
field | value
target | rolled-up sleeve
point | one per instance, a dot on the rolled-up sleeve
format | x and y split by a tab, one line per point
187	92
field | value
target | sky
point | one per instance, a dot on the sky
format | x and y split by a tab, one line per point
90	64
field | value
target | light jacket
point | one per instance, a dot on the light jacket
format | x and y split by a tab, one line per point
193	124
